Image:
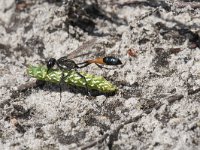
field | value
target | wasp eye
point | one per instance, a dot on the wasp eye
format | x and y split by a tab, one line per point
51	63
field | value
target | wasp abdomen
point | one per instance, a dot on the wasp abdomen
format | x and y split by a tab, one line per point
111	60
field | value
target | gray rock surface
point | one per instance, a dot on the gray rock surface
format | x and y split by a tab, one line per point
157	102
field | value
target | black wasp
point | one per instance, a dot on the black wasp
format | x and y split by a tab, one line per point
66	63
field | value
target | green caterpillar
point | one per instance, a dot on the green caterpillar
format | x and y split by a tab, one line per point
54	75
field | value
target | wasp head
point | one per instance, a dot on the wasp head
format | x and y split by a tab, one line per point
50	63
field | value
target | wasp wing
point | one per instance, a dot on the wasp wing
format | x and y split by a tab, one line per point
83	49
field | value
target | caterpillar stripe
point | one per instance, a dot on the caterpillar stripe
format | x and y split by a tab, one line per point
54	75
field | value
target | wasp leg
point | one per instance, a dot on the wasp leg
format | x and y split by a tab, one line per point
103	67
60	86
85	64
63	77
86	85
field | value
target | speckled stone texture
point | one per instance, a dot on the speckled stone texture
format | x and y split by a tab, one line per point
157	105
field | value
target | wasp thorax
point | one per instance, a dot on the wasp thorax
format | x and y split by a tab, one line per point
66	64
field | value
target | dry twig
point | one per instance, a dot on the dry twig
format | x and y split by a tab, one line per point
113	136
